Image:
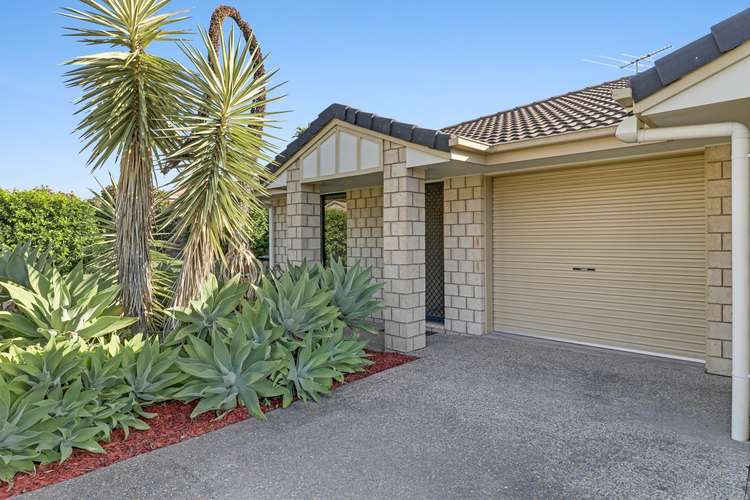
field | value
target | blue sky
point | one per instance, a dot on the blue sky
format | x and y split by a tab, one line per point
431	63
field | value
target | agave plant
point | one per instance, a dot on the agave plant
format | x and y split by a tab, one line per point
348	354
75	401
75	432
45	368
74	305
202	316
20	435
128	104
227	370
101	370
14	264
353	293
309	374
222	163
151	373
122	413
298	306
313	269
254	321
322	357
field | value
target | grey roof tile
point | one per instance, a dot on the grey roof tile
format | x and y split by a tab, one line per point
725	36
686	59
732	32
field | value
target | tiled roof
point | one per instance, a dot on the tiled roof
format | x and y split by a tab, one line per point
725	36
588	108
434	139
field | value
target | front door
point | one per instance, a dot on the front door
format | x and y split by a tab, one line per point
434	278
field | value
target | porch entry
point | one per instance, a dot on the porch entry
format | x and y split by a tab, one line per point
434	277
333	221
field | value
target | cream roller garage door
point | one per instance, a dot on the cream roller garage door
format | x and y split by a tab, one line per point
608	255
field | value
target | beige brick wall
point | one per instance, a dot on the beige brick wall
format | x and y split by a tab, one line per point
719	253
464	243
403	251
302	218
278	203
364	231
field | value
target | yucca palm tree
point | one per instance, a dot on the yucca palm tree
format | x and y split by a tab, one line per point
102	259
128	107
221	174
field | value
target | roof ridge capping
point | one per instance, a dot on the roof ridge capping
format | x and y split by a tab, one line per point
431	138
724	36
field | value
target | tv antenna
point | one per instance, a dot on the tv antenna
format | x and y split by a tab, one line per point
631	63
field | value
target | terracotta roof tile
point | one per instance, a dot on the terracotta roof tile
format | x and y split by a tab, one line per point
588	108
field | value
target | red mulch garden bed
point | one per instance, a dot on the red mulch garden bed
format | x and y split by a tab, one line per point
171	425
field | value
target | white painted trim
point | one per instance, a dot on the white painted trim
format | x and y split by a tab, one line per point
371	134
605	161
692	78
342	175
602	346
726	86
417	158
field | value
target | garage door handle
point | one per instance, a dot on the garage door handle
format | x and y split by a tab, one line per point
584	269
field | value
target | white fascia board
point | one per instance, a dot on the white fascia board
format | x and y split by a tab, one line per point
729	84
279	182
418	158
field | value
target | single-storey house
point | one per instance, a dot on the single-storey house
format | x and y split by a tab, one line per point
616	216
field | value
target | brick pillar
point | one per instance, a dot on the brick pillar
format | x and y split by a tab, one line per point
302	218
403	251
464	243
719	250
278	203
364	232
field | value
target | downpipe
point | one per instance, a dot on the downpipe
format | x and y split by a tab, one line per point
629	131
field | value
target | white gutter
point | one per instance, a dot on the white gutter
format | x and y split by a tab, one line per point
629	131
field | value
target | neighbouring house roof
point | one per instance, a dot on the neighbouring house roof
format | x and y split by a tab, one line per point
430	138
724	36
587	108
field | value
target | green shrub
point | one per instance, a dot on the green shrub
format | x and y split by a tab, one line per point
58	222
258	232
335	235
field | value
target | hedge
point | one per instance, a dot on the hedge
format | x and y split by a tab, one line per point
335	235
60	222
259	232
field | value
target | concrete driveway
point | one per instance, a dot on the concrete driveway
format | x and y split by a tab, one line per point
491	417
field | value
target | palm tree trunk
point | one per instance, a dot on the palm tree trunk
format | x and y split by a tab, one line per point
133	223
197	263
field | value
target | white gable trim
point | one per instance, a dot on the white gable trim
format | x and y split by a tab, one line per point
365	152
